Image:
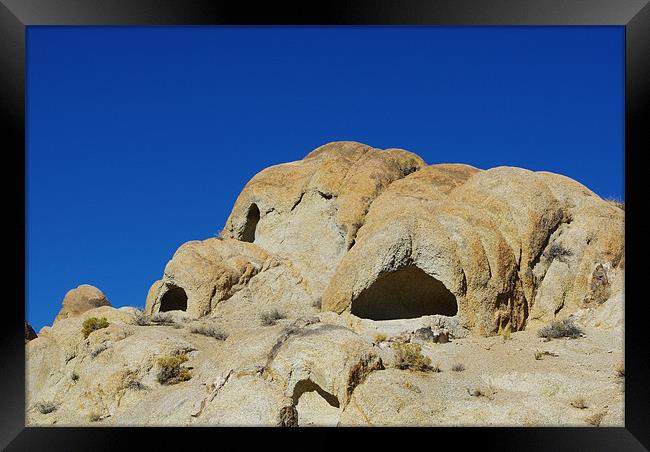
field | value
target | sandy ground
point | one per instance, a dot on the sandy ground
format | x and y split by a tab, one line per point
503	384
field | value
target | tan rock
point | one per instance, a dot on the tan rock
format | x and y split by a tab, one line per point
358	249
79	300
484	246
202	274
329	359
309	211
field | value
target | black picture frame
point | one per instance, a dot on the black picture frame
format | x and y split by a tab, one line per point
16	15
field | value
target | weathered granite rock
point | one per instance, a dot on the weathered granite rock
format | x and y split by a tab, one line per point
79	300
309	211
485	247
350	251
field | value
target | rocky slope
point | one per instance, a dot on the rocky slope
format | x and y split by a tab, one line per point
326	267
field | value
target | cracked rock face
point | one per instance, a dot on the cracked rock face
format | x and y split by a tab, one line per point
381	235
288	317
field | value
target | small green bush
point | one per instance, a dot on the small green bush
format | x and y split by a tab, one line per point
409	356
93	324
561	328
171	371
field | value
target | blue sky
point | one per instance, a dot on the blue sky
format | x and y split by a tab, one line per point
140	139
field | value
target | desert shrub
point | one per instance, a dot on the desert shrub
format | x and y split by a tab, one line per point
210	331
435	368
288	416
379	338
539	355
600	294
93	324
409	356
561	328
95	417
317	303
74	376
620	370
411	387
616	202
163	318
133	383
579	403
408	166
141	318
458	367
596	418
559	252
131	380
476	392
270	317
98	350
46	407
171	369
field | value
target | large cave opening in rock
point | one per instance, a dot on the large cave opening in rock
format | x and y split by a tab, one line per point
404	294
175	299
252	218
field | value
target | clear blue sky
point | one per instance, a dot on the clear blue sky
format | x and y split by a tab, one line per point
140	139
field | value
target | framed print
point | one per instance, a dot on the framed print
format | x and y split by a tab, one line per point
373	214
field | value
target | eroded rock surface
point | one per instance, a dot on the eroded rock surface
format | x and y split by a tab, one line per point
79	300
292	316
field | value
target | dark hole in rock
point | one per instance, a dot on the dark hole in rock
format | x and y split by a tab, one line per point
252	219
307	386
404	294
315	406
175	299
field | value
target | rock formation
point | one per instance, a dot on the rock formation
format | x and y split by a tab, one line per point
79	300
379	234
342	253
29	333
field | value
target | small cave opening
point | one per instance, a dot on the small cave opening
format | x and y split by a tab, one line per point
406	293
175	299
314	405
252	218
